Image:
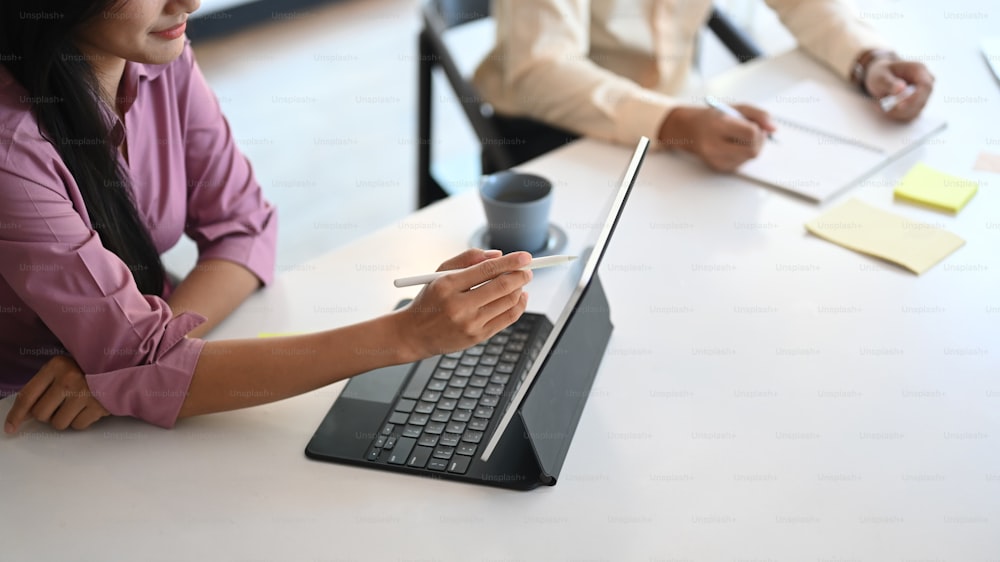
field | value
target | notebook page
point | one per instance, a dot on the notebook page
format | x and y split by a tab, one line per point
828	139
810	165
845	113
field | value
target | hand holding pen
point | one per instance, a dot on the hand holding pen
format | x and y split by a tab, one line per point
722	136
902	88
448	315
731	111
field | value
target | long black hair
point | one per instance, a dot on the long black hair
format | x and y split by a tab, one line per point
36	41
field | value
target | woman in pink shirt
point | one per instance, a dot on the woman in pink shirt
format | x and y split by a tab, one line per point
112	146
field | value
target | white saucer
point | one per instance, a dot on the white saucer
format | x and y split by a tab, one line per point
555	244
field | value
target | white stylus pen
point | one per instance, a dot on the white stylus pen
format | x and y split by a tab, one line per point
888	103
536	263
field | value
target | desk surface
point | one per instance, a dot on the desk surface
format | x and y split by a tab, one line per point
766	395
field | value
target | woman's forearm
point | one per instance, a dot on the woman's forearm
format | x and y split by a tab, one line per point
235	374
213	289
451	313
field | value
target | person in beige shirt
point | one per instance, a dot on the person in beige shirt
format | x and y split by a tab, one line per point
607	69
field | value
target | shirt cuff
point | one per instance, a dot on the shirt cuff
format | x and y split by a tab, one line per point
842	61
154	393
642	114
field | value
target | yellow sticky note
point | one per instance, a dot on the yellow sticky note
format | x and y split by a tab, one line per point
276	334
914	245
927	186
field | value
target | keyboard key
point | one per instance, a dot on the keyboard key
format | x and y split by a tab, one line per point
390	442
448	362
458	382
467	404
420	419
479	424
479	381
454	354
510	356
398	418
489	360
463	371
494	348
419	380
430	396
450	439
494	389
405	405
387	430
467	449
437	385
489	400
437	464
401	453
470	360
428	440
448	404
461	415
442	374
459	465
419	457
424	407
500	338
505	367
452	393
484	370
441	416
455	427
484	412
515	346
472	436
434	428
412	431
373	454
472	392
379	441
500	379
444	452
475	350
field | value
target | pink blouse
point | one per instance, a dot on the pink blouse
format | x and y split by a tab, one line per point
62	292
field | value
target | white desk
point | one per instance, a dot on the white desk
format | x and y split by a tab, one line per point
766	395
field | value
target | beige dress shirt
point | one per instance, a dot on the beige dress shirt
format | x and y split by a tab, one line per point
607	68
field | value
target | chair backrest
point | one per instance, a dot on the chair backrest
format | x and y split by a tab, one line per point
439	16
457	12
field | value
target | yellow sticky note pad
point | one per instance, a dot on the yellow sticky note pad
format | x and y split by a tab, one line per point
276	334
927	186
914	245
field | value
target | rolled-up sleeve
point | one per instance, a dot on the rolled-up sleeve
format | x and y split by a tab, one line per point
131	348
227	217
829	30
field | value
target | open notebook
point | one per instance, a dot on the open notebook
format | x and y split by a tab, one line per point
828	139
